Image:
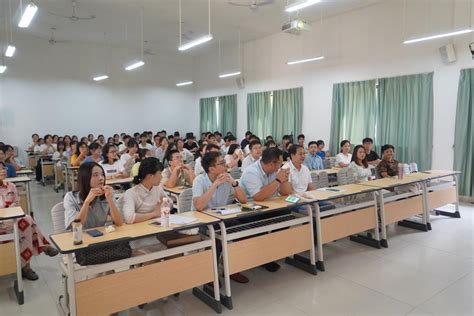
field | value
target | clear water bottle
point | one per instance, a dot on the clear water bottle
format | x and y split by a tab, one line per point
77	232
406	168
413	167
165	213
400	171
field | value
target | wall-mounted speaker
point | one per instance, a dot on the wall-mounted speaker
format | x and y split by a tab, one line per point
240	82
448	54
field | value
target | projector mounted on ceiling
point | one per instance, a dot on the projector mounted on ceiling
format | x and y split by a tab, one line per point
295	27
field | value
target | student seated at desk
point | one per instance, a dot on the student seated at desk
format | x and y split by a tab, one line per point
93	202
255	153
38	146
359	165
82	151
61	152
128	159
343	159
388	166
142	154
191	144
177	174
161	151
321	153
246	149
312	160
216	188
171	146
234	156
186	155
299	176
144	142
228	140
113	167
373	158
10	170
198	169
32	240
264	180
48	148
270	144
10	157
122	148
101	140
34	141
95	151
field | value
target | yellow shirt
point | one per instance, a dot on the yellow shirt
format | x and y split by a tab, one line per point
134	171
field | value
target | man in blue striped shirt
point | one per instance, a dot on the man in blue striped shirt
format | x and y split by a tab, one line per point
312	160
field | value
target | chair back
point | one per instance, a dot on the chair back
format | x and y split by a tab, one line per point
58	218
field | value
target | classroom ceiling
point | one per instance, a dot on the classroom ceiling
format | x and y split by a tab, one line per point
120	21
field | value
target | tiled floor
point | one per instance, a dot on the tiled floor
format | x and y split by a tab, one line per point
419	274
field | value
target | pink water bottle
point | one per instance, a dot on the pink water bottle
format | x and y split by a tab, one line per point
400	171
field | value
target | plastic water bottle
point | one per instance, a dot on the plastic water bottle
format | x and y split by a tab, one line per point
165	213
400	171
77	232
406	168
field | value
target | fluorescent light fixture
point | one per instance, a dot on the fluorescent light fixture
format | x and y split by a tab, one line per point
441	35
304	60
28	15
10	51
2	69
186	83
196	42
99	78
135	65
300	5
231	74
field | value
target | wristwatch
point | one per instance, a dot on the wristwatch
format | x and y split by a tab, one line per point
278	180
236	184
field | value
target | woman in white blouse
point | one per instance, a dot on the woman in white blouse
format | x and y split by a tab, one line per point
143	201
359	165
343	159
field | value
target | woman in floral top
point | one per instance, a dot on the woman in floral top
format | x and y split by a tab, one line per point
32	241
388	167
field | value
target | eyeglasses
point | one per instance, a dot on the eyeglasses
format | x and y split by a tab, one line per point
222	163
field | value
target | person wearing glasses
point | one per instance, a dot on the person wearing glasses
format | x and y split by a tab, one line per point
216	188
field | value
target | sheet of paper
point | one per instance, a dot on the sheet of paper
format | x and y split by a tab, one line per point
329	189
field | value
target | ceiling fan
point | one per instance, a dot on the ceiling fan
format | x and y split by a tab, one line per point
74	17
52	40
251	4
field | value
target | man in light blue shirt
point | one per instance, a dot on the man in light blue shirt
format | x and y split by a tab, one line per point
312	160
216	188
264	180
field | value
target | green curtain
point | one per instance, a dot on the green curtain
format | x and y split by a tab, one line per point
353	112
464	133
287	112
259	114
405	117
228	114
208	115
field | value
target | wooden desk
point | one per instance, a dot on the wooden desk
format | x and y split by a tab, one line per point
440	195
328	171
47	168
127	180
185	267
255	242
24	172
346	219
28	207
398	208
10	258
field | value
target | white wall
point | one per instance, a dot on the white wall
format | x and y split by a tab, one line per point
48	89
359	45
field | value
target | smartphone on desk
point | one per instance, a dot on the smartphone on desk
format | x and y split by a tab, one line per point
94	233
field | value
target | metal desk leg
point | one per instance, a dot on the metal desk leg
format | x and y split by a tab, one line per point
66	180
55	168
28	198
43	181
301	262
368	240
71	284
383	241
319	237
227	298
206	295
72	181
426	211
456	214
18	285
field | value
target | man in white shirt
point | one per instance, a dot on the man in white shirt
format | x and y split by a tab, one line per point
143	142
219	140
186	155
246	150
300	176
255	154
228	140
